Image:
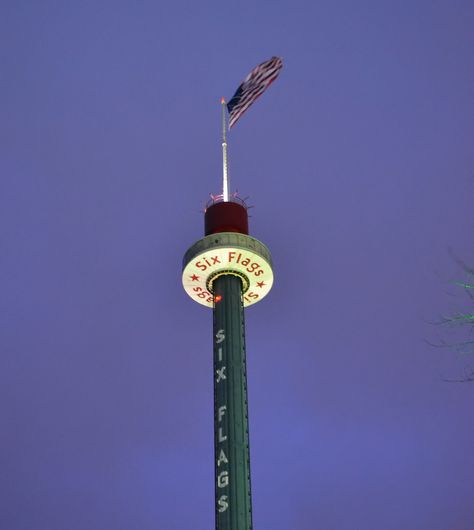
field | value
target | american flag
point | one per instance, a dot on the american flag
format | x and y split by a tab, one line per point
253	86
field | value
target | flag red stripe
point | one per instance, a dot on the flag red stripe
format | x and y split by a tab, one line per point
253	86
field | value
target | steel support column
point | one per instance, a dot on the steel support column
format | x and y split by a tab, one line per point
231	435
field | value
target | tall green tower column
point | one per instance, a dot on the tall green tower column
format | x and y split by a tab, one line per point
231	435
228	270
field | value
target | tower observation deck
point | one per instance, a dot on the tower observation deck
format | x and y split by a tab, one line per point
228	270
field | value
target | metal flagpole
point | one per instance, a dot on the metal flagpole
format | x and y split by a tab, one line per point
225	177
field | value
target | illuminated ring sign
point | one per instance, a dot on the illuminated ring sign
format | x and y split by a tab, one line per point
227	253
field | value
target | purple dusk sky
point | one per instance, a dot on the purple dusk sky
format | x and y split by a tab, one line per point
359	161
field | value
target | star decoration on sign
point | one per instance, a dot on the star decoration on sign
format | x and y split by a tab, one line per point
194	278
260	284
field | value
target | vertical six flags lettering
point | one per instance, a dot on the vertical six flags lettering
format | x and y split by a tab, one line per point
221	464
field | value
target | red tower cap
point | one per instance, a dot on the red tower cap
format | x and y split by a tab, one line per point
226	217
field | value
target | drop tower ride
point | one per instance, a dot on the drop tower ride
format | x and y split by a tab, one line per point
227	271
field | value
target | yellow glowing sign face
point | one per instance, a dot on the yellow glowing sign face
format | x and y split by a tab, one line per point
255	271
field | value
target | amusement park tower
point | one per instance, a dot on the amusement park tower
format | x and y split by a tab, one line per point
228	270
